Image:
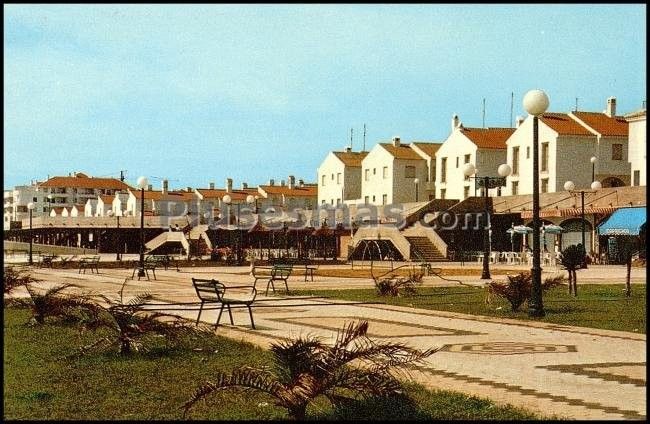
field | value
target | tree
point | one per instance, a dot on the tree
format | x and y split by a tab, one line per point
54	303
572	259
307	368
518	289
627	248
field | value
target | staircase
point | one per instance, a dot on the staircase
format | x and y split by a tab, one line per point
423	249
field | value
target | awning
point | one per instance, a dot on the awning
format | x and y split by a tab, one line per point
556	212
625	221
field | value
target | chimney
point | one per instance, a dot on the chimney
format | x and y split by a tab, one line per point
282	183
189	189
611	107
271	182
244	186
228	185
150	187
455	122
348	149
520	120
292	181
165	186
211	186
396	141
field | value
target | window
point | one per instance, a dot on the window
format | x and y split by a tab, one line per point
385	172
410	172
466	192
467	157
365	200
35	199
515	160
443	192
338	202
637	178
457	161
332	202
44	209
384	199
366	174
544	157
443	170
617	151
374	171
515	188
544	188
373	198
322	202
527	152
332	177
323	180
338	178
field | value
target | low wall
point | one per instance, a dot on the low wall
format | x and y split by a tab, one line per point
46	248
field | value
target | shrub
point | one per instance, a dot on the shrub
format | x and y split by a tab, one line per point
306	368
519	287
12	278
394	285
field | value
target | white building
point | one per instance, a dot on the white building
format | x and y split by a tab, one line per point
16	200
288	196
637	147
485	148
389	172
339	177
428	152
78	188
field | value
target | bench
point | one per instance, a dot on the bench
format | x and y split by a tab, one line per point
298	262
278	272
165	260
89	262
212	291
148	265
46	260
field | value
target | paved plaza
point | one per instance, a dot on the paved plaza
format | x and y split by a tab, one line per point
569	372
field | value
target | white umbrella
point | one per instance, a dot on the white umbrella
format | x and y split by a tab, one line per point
519	229
552	229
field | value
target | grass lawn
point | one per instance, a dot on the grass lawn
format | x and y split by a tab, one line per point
597	305
39	384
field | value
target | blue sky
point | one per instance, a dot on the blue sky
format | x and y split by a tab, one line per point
199	93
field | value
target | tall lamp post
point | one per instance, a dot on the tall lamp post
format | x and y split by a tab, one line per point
416	182
487	183
50	198
536	102
30	206
110	213
142	183
250	199
570	187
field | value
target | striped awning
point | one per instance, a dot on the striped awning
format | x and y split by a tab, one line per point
546	213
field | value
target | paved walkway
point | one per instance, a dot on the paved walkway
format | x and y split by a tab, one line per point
570	372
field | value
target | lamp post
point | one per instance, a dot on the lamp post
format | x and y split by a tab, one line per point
250	199
487	182
50	197
536	102
416	182
142	183
570	187
593	160
110	213
30	206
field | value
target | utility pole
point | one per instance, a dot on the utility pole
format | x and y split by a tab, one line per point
364	137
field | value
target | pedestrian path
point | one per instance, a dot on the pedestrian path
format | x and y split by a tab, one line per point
555	370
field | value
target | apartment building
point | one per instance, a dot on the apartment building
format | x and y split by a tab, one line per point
637	147
339	177
485	148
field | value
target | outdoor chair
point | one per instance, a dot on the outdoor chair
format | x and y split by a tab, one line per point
89	263
212	291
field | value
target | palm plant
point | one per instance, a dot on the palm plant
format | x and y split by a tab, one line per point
518	289
133	324
13	278
572	259
56	304
307	368
392	284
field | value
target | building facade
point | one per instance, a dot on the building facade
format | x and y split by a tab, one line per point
637	147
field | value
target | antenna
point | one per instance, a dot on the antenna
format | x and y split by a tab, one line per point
122	175
483	112
576	104
351	131
512	106
364	133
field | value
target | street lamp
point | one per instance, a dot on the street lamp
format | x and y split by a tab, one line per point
570	187
110	213
30	206
50	197
593	160
416	181
142	183
487	183
536	102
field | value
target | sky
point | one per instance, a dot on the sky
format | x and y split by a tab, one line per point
199	93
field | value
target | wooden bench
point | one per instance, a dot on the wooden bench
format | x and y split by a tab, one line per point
278	272
89	262
46	260
165	261
303	263
212	291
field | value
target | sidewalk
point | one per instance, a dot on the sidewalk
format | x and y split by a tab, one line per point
570	372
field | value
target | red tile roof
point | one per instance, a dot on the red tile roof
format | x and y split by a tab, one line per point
488	138
81	181
304	191
351	158
208	193
180	196
429	149
108	200
615	126
403	151
563	124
